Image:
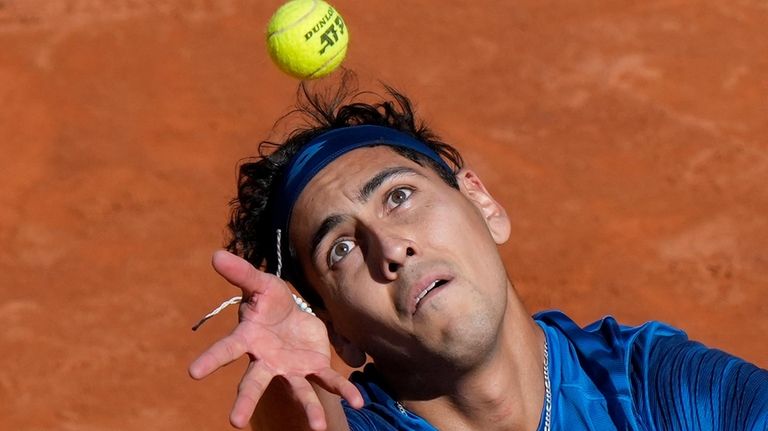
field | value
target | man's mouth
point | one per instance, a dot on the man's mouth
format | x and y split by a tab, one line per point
429	288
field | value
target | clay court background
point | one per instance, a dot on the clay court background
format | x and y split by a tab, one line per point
626	139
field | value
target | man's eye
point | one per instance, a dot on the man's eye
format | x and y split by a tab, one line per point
340	250
398	196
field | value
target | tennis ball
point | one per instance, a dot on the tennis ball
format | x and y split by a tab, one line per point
307	38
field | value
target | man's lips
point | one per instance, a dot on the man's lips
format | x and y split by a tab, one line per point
424	287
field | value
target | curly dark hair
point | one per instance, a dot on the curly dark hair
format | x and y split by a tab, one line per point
250	227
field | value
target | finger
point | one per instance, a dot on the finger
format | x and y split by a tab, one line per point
307	396
333	382
255	381
218	355
242	274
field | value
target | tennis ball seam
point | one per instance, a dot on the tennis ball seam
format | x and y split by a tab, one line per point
315	3
311	75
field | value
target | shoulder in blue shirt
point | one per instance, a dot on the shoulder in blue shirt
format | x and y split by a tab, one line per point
607	376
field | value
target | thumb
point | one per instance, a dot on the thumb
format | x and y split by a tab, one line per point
242	274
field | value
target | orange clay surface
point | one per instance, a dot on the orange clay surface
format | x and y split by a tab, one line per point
628	141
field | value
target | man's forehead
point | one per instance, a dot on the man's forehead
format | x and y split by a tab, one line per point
347	176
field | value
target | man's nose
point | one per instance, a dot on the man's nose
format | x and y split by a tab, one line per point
395	250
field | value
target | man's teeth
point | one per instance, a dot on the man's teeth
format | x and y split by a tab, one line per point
425	291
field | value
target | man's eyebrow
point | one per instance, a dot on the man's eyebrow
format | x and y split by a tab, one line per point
326	226
374	183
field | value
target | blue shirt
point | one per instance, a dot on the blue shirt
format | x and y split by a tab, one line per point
606	376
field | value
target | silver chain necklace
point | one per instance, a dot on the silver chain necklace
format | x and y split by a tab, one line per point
547	391
547	388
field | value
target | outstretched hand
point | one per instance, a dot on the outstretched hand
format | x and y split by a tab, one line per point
280	339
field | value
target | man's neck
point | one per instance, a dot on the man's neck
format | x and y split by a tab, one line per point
504	392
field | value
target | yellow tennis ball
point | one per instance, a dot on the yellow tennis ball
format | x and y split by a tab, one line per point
307	38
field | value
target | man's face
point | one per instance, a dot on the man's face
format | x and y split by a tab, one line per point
407	266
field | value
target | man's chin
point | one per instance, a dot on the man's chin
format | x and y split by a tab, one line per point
464	342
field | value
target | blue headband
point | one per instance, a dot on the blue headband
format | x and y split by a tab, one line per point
326	148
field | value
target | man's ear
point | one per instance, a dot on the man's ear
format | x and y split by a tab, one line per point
494	214
348	352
